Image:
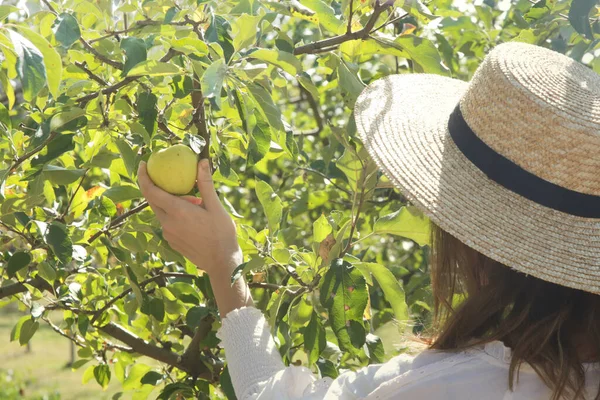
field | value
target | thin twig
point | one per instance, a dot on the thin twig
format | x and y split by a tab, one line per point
62	216
142	284
115	222
115	64
314	171
89	73
311	48
25	157
22	234
356	217
63	333
312	102
349	29
264	285
113	88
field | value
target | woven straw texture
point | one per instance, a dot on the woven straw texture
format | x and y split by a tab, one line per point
536	107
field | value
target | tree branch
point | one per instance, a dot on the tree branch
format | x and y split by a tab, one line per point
192	355
140	346
316	47
20	287
117	221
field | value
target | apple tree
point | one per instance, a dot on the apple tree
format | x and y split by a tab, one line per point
265	90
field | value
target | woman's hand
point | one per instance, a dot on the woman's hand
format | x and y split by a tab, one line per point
199	229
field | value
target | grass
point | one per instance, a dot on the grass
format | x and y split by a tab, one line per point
45	367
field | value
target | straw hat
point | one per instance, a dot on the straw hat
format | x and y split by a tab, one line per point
508	163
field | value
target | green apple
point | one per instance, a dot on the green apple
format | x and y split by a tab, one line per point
173	169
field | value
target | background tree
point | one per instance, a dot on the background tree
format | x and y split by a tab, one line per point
265	89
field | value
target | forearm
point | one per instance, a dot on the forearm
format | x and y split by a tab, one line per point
228	296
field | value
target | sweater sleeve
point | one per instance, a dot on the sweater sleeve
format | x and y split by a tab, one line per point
258	372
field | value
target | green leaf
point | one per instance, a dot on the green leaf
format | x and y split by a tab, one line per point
28	329
6	10
391	287
260	143
244	30
128	156
327	368
325	14
88	374
579	16
212	80
62	121
321	229
189	45
151	378
60	145
17	262
102	375
195	315
52	60
349	82
407	222
344	294
135	53
148	114
268	107
66	29
314	339
16	330
155	68
422	51
62	176
226	384
30	65
135	375
182	390
57	237
286	61
153	306
104	206
375	348
46	271
271	204
351	166
119	194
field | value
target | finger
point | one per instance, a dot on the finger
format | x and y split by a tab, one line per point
206	186
153	193
194	200
159	212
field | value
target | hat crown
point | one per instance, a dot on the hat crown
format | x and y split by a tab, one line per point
541	110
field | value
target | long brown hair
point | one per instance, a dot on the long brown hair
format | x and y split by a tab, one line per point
478	300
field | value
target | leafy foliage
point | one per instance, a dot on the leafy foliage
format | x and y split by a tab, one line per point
265	90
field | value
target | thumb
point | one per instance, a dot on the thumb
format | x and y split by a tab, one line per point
206	187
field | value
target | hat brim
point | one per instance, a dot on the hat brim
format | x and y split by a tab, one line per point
403	122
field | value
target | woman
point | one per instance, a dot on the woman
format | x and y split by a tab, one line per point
508	167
